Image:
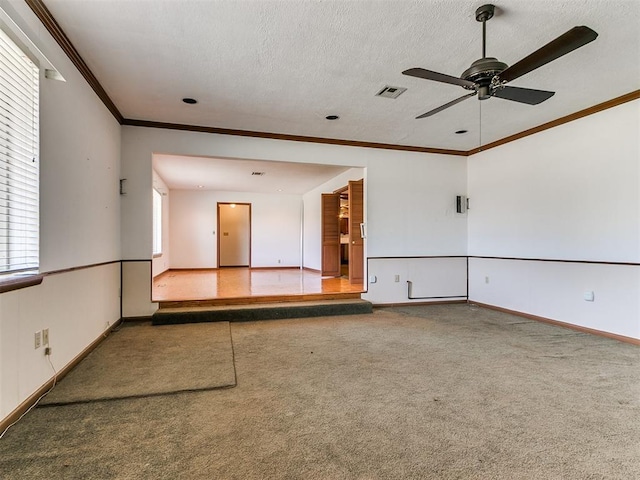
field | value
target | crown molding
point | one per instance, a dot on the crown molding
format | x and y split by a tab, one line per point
292	138
50	23
635	95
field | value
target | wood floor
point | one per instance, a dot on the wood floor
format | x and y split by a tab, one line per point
245	285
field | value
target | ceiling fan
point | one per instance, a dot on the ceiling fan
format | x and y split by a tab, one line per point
487	77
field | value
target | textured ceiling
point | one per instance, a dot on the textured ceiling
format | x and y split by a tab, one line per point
282	66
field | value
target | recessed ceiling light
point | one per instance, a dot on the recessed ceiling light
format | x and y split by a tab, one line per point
332	117
461	132
200	186
279	189
190	101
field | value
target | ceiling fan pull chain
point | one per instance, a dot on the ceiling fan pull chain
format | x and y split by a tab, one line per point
480	126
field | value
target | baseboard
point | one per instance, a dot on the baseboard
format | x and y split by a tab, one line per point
413	304
578	328
292	267
145	318
28	403
312	270
200	269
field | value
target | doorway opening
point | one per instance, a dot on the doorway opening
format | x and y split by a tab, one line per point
343	232
234	235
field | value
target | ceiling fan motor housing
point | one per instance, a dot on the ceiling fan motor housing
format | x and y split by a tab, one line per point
481	72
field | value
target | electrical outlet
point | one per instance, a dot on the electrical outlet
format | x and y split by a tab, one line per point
47	351
45	337
279	261
38	339
396	278
486	279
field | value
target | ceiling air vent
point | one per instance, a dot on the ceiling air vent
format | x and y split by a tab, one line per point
259	174
391	92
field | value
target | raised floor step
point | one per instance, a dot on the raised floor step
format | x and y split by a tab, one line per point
258	299
260	311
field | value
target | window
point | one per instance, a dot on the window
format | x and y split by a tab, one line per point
157	222
19	162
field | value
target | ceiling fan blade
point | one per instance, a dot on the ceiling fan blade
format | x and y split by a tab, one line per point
438	77
446	105
523	95
566	43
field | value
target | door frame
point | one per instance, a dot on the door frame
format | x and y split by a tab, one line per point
220	234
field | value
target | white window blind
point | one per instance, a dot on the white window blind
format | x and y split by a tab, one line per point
157	222
19	162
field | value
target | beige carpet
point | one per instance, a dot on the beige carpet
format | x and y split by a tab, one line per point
142	360
440	392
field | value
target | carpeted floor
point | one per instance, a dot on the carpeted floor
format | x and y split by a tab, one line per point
138	360
438	392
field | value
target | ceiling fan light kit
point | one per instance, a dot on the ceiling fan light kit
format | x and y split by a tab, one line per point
487	77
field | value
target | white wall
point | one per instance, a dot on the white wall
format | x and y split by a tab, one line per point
136	289
433	279
275	228
76	307
312	238
569	193
79	225
412	205
556	290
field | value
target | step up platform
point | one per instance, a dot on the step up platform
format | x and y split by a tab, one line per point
260	311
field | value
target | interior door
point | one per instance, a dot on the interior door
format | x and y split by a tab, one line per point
356	242
330	235
234	234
